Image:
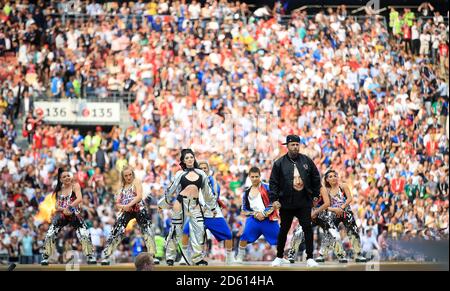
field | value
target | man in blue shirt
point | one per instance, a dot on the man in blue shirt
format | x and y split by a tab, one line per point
26	248
56	86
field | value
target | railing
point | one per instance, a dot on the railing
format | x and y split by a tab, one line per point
140	18
84	17
359	18
432	18
124	97
143	19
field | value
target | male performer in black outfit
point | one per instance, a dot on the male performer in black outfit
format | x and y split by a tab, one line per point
294	182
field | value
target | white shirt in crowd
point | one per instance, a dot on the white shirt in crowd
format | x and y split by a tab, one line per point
267	105
369	244
425	39
96	234
414	32
3	163
194	10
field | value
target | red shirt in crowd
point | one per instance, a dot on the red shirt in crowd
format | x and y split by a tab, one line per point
37	141
133	109
50	140
432	147
397	185
165	108
443	50
82	177
371	102
406	31
96	180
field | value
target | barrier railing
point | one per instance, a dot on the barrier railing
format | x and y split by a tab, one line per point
144	18
124	97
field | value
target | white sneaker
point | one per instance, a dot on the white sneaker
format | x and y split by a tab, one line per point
278	262
91	260
311	263
238	260
229	260
361	259
286	261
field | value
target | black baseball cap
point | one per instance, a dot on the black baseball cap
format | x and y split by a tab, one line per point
292	138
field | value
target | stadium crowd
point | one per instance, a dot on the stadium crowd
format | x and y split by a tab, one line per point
367	95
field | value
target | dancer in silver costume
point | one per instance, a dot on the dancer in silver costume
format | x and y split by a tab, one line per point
130	204
322	218
68	197
340	200
216	224
187	183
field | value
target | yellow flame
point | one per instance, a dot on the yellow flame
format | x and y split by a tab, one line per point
46	209
130	225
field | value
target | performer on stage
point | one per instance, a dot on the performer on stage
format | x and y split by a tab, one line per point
262	218
188	183
294	182
216	225
322	218
340	199
131	205
68	197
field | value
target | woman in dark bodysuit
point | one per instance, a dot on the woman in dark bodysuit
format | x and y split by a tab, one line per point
187	183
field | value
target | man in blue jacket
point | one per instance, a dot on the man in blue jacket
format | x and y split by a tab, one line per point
262	218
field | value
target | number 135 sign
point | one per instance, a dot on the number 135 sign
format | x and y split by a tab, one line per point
68	111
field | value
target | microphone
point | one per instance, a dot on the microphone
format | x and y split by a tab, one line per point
12	267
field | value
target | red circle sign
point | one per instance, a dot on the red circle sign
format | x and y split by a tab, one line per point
86	112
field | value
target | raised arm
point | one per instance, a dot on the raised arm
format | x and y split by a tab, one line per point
167	199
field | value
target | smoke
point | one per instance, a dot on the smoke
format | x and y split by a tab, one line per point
421	250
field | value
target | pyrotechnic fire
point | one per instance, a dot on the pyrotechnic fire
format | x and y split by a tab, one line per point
130	225
46	209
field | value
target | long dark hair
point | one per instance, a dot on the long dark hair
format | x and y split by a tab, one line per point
184	152
327	173
59	184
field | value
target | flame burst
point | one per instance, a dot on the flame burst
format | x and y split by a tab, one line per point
130	225
46	209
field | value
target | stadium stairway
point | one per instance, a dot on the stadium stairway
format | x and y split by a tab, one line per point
21	141
125	119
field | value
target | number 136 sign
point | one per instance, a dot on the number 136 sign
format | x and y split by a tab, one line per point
78	112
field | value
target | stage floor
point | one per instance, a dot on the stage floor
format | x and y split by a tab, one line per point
253	266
